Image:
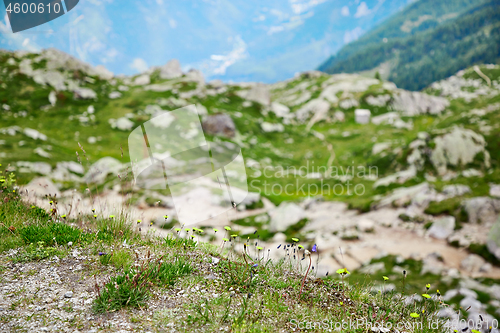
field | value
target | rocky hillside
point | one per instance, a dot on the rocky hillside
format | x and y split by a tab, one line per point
426	42
394	178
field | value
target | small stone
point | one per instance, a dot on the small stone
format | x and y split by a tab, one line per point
70	243
68	294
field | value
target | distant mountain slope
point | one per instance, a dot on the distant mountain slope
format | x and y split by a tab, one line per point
426	42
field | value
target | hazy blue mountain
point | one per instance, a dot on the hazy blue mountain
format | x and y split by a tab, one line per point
427	41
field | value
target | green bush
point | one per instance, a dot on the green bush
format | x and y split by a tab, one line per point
131	289
51	234
37	252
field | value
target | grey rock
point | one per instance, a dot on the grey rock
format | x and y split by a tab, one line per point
41	152
387	288
201	109
456	190
258	93
442	227
52	98
467	293
450	294
195	75
398	177
115	95
68	294
41	187
412	103
219	124
495	190
72	166
142	80
285	215
472	263
317	108
99	170
365	225
419	195
409	300
84	93
432	264
372	268
171	70
380	100
34	167
339	116
475	320
493	242
279	109
57	59
446	312
349	103
269	127
386	118
472	304
34	134
458	148
380	147
251	198
123	124
481	209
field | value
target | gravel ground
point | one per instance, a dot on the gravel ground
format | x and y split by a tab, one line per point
56	295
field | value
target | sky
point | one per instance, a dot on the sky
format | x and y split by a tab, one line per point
232	40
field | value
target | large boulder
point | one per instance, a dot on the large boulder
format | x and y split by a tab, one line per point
171	69
456	190
398	177
219	124
84	93
99	170
412	103
123	124
495	190
493	243
34	167
317	107
279	109
42	187
57	59
142	80
195	75
34	134
419	195
458	148
284	216
258	93
269	127
481	209
442	228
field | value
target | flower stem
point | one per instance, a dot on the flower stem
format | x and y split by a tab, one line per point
305	276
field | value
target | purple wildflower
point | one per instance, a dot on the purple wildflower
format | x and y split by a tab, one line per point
102	253
314	249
